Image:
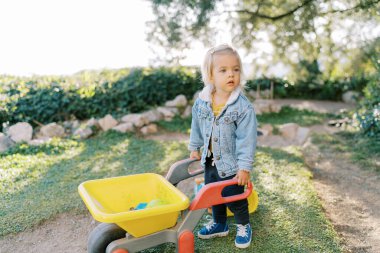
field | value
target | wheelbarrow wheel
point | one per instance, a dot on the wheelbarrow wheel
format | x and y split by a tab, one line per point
102	235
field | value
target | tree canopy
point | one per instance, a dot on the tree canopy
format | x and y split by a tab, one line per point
336	33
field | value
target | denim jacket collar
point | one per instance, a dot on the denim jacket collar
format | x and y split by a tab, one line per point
205	95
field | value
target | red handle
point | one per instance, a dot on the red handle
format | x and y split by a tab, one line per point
211	194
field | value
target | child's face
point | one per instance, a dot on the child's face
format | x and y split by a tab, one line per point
226	72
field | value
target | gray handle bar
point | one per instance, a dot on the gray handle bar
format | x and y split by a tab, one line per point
180	171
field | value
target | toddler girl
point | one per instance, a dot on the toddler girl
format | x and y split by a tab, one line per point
223	137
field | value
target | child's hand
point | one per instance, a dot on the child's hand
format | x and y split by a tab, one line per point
195	154
243	177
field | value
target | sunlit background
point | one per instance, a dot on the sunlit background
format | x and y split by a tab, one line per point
47	37
43	37
63	37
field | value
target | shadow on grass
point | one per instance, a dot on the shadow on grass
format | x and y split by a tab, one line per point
289	217
54	189
53	147
362	150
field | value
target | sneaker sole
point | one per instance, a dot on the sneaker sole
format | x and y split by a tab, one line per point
221	234
243	246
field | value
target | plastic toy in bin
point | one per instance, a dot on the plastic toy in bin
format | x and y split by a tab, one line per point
158	204
199	183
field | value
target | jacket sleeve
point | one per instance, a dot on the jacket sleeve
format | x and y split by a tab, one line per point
246	139
196	140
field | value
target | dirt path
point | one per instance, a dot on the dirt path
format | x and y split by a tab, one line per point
67	233
315	105
350	197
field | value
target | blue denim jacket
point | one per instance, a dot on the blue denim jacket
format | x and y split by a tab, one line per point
233	133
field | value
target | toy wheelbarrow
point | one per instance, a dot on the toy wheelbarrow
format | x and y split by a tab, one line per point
126	229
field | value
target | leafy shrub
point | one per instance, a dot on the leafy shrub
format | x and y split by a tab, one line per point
368	116
310	89
280	86
39	105
88	94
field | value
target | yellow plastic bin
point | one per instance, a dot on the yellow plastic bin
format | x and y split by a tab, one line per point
253	202
110	200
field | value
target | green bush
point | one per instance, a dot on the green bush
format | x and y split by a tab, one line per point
310	89
279	85
92	94
39	105
368	115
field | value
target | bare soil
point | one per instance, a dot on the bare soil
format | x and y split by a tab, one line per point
349	194
350	198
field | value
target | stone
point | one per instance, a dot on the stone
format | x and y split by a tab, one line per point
83	133
267	129
275	108
152	116
138	120
149	129
196	95
263	105
301	135
5	143
252	94
168	112
178	101
124	127
70	126
92	123
52	130
188	111
39	142
107	122
20	132
257	110
75	125
350	97
289	130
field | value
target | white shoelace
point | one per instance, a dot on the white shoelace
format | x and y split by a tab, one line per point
242	230
210	222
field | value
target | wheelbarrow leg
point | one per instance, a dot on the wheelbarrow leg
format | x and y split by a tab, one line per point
186	242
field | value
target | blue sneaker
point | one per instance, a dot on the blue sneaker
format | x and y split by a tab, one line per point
243	236
212	230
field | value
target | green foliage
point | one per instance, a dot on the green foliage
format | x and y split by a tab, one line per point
310	88
368	115
92	94
39	105
296	29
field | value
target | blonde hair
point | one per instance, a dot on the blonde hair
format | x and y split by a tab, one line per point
208	63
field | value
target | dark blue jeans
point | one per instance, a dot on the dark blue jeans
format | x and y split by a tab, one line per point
238	208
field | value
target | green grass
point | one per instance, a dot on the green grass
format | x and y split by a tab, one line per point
361	150
288	114
39	182
177	124
289	217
